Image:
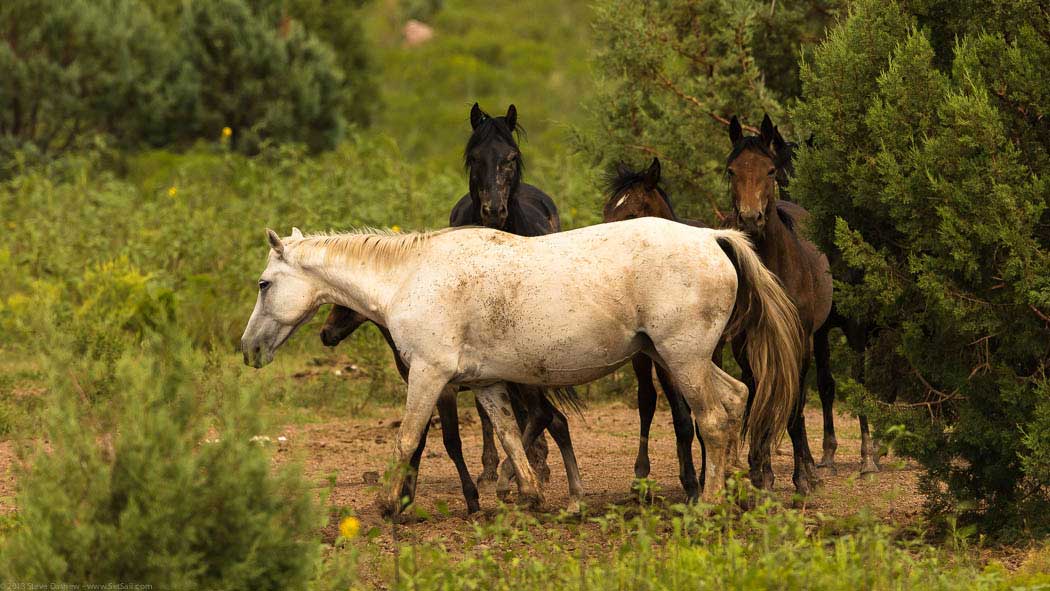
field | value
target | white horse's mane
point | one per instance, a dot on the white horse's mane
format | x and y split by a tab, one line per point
381	247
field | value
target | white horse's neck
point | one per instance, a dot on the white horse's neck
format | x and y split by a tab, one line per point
361	278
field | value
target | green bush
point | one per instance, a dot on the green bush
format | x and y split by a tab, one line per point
74	68
929	176
153	492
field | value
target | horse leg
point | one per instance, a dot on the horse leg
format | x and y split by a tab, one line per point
489	455
559	430
826	387
521	400
643	372
449	413
683	433
869	452
539	417
425	384
760	465
703	394
408	489
496	401
805	473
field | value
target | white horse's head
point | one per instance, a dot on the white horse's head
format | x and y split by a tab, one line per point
288	298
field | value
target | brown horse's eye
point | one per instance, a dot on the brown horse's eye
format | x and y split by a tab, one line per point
729	171
772	172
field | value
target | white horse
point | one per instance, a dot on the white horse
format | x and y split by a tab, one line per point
480	307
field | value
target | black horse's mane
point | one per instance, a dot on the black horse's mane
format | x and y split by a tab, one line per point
620	178
489	129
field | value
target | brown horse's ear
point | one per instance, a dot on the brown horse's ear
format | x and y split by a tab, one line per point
778	140
476	116
275	242
652	176
512	117
735	131
767	131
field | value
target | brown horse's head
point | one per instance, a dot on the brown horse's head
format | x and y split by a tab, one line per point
341	323
494	164
752	171
636	194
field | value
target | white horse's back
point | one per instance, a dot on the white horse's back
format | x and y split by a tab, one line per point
577	304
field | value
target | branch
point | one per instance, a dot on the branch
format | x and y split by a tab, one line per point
666	83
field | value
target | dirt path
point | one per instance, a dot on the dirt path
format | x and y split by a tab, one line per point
356	451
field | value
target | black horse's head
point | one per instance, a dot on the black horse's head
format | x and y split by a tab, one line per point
493	164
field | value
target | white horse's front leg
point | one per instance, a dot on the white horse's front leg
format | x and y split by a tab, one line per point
425	384
496	402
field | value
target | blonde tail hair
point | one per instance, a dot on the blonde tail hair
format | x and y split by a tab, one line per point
774	338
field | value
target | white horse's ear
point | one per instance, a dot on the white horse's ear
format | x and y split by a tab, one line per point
275	242
297	233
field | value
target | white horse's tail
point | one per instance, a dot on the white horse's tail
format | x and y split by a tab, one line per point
774	337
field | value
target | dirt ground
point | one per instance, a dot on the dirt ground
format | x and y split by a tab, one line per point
356	451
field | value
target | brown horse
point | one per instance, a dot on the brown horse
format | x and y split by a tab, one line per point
802	269
637	194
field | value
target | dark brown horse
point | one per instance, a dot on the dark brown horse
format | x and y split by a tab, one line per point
636	194
497	199
802	269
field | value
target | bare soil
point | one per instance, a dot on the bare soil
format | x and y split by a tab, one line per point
356	452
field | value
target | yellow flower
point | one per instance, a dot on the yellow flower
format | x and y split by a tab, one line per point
349	527
226	132
172	191
395	229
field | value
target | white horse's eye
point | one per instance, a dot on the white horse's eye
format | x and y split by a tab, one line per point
263	284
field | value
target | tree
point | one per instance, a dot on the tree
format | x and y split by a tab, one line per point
672	73
927	183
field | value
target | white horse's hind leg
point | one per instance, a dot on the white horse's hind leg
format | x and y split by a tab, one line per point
496	402
704	391
734	399
425	385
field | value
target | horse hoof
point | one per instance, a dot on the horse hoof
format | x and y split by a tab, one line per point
828	465
473	506
575	507
486	485
869	467
532	502
503	495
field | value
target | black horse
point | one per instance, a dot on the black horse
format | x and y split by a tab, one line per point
497	199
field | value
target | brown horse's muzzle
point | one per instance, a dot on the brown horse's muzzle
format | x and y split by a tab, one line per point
341	323
752	222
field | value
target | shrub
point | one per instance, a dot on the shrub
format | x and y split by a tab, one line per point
931	182
154	493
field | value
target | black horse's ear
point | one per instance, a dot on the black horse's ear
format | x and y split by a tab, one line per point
767	130
622	169
476	116
735	131
811	141
652	176
512	117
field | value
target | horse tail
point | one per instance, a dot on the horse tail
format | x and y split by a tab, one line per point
774	337
565	399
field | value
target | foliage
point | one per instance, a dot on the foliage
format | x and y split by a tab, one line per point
71	68
672	73
683	547
928	183
151	72
147	494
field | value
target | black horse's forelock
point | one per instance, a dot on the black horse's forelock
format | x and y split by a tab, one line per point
620	178
490	129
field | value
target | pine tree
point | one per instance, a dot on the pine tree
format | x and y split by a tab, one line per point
928	177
